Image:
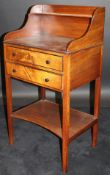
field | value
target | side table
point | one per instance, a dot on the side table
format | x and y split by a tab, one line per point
59	48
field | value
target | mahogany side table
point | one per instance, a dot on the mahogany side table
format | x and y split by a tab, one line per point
59	48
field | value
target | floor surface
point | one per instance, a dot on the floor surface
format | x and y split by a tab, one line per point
37	152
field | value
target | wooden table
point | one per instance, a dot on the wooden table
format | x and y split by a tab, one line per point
59	48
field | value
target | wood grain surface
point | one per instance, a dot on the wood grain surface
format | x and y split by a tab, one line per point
86	66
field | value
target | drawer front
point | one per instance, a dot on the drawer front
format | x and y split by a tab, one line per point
34	58
35	76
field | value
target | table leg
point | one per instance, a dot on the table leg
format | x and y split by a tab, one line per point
9	107
96	110
65	131
66	114
42	93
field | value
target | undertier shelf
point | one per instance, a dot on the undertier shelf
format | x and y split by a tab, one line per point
49	115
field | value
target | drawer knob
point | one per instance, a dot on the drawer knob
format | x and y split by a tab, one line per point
13	54
13	70
46	80
47	61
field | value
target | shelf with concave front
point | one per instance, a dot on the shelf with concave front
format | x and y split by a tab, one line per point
48	115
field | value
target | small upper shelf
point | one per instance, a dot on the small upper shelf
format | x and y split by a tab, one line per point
60	28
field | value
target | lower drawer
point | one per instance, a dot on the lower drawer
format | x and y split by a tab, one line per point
35	76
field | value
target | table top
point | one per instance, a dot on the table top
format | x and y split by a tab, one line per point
43	41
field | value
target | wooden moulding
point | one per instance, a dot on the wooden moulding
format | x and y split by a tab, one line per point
63	9
51	119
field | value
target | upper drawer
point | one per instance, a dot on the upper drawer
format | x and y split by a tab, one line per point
34	58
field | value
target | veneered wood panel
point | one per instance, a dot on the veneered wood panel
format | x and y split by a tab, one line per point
85	66
34	76
73	27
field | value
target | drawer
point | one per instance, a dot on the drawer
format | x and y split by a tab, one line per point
35	76
34	58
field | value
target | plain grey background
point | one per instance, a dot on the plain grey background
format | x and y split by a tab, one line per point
12	15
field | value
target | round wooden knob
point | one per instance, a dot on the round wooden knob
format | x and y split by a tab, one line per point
13	54
13	70
47	61
46	80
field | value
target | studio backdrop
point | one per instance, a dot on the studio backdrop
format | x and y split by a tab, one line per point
12	14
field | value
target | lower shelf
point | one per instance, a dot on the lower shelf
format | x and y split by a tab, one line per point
48	115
